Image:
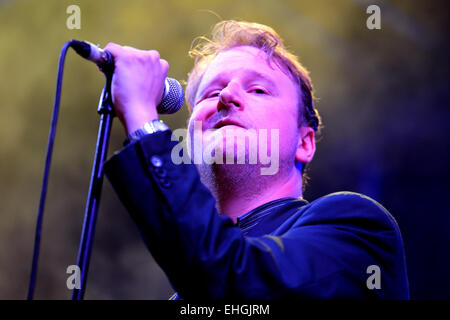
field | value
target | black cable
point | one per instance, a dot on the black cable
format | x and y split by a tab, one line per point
51	139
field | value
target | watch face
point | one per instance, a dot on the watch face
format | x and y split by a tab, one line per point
159	126
149	127
153	126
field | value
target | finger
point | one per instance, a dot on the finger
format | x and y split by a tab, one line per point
153	55
164	67
135	50
114	48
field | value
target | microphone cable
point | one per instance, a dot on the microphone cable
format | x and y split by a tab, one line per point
171	102
48	159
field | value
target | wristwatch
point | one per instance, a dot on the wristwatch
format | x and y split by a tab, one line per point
148	128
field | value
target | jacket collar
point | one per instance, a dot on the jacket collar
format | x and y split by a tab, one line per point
267	217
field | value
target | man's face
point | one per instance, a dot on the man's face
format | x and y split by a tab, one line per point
241	90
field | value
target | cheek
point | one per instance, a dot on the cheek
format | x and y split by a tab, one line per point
285	122
282	119
289	134
197	120
196	115
289	117
202	111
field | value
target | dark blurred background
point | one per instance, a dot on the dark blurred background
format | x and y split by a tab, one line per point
383	96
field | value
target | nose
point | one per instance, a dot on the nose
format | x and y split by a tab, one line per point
230	96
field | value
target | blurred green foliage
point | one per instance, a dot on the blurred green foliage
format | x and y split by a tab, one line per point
354	70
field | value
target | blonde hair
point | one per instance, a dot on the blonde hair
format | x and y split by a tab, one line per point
228	34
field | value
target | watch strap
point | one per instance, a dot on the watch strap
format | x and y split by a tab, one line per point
148	128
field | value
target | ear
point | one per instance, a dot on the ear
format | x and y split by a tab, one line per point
306	146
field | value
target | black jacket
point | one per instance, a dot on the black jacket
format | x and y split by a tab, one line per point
287	248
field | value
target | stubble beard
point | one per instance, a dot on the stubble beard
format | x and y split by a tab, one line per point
227	181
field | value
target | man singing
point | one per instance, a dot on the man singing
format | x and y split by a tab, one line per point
227	228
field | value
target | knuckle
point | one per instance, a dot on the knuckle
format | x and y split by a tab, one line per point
153	54
111	45
129	49
164	65
113	48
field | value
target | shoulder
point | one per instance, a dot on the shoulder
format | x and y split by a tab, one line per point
354	208
359	229
347	198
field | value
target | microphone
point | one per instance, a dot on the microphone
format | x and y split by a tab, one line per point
173	95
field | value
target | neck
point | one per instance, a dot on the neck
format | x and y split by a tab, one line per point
239	189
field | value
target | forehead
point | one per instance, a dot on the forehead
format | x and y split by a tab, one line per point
242	61
239	55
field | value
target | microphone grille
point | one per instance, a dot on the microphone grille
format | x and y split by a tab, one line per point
173	97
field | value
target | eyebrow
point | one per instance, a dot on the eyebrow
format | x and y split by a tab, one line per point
263	77
248	73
